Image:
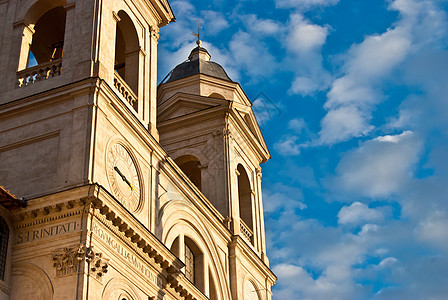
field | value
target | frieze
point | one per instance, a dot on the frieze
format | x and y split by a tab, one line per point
46	232
118	248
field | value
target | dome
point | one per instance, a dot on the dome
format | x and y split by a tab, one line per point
198	63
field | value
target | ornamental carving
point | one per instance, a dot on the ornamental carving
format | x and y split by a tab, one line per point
155	33
66	260
97	263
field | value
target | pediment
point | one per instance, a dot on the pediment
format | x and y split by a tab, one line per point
181	105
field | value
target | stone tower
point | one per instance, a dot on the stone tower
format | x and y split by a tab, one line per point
96	208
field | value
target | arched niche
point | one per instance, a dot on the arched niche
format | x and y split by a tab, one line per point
30	282
217	96
245	197
48	38
119	289
190	165
251	292
127	53
39	8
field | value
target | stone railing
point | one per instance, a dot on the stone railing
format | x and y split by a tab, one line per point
39	72
125	90
246	232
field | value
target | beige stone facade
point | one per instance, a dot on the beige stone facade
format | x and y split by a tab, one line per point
123	190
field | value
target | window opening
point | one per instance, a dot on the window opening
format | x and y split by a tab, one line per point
127	59
48	39
245	203
190	165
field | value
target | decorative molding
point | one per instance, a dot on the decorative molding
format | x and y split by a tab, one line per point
155	33
97	263
31	217
228	222
66	260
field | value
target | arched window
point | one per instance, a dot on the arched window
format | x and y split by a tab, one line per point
190	165
4	236
42	42
127	52
48	38
192	256
245	203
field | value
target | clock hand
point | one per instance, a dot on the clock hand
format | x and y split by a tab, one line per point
124	178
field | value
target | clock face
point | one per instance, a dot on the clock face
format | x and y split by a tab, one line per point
123	176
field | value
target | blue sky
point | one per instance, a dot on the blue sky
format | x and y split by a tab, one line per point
352	100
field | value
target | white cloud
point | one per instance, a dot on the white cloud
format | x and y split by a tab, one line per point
281	197
304	40
304	4
288	146
343	123
434	230
304	36
298	125
393	138
369	64
387	262
358	213
357	92
252	56
215	22
379	167
257	25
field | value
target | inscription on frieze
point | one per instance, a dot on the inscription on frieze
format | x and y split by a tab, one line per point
46	232
121	250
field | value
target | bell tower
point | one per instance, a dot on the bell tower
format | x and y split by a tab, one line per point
80	81
207	126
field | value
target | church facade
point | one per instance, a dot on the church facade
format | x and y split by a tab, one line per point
114	187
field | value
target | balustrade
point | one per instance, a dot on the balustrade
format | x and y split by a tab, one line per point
125	91
246	232
40	72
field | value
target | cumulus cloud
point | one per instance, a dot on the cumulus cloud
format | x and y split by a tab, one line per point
288	146
304	41
379	167
216	22
298	125
252	56
304	36
357	91
258	25
368	64
342	122
280	197
358	213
